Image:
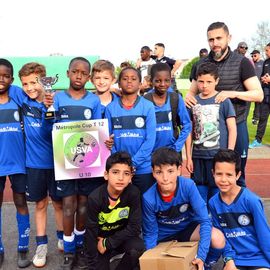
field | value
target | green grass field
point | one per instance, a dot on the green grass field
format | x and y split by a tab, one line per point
251	128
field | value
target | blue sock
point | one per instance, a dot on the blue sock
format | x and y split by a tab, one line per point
79	237
40	240
69	244
213	255
60	235
23	224
1	244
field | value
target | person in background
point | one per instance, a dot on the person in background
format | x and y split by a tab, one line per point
258	64
265	105
242	48
202	54
144	65
159	57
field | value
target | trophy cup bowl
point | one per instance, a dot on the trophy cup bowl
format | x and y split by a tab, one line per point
47	83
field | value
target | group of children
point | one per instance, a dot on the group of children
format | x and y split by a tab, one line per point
95	219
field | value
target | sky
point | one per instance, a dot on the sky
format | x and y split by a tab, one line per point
116	30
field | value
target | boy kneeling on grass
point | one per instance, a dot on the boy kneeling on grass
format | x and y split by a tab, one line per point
239	214
113	221
174	210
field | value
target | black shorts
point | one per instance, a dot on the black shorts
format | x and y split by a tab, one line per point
80	186
184	235
18	182
203	172
40	183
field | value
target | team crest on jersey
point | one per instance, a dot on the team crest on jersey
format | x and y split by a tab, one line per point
16	116
183	208
139	122
123	213
170	116
87	114
243	220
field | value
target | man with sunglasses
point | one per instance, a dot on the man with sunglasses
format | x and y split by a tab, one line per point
258	65
242	48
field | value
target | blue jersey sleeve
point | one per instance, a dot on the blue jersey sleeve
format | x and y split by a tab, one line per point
97	109
150	225
200	209
185	123
228	250
17	94
260	225
147	146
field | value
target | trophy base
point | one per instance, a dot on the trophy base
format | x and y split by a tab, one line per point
50	115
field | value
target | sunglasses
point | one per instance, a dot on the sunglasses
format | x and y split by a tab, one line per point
242	47
254	55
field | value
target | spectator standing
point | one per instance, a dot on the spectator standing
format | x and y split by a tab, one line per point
258	64
174	64
202	54
265	106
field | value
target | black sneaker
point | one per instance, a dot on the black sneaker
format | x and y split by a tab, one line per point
68	262
2	255
81	259
23	260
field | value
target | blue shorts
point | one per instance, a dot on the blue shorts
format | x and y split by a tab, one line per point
184	235
39	183
18	182
84	187
202	174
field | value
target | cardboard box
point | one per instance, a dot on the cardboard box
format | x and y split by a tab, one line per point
171	255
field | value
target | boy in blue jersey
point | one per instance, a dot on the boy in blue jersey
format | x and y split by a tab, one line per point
174	210
103	77
165	135
113	223
12	162
239	214
214	127
132	122
75	104
39	157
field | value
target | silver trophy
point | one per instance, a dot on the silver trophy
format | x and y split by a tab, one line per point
47	83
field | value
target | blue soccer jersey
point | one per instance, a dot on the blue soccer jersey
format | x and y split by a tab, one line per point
134	131
163	219
70	109
245	228
12	151
164	130
39	153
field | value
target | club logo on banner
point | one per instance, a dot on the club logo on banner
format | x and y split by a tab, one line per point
79	149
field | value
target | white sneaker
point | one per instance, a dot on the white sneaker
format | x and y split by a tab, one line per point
39	259
60	245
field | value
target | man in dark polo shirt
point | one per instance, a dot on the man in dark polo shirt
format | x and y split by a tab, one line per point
238	82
